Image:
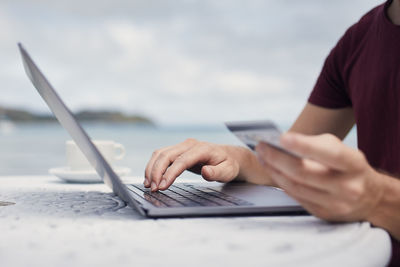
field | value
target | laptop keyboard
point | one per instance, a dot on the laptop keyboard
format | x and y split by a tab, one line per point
188	195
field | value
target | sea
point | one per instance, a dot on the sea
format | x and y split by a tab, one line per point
32	148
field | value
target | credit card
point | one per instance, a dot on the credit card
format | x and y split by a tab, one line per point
253	132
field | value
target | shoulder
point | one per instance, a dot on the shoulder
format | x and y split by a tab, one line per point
358	31
355	37
331	88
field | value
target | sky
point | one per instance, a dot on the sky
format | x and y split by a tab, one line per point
176	62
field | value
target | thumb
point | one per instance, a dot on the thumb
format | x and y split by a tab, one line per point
222	172
324	148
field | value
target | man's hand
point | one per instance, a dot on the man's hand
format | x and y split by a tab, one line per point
213	162
332	181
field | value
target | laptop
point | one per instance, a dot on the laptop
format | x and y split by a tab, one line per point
181	199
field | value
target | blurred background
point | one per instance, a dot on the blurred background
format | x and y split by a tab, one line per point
152	73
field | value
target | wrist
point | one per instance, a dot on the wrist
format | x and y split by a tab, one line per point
237	153
250	169
385	213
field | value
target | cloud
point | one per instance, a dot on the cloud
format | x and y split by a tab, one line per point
176	61
244	82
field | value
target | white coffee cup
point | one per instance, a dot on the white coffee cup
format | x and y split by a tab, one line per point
76	161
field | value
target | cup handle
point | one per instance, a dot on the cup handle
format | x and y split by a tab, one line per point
121	151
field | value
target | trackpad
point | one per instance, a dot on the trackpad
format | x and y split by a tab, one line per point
257	194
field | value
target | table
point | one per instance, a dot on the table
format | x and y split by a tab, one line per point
61	224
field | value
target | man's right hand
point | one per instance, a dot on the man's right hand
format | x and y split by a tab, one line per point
214	162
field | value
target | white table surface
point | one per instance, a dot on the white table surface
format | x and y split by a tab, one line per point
61	224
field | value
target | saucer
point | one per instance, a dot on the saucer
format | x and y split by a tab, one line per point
85	176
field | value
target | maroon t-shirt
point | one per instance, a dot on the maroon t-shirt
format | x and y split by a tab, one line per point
363	72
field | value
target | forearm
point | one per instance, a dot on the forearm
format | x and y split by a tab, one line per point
315	120
250	169
387	213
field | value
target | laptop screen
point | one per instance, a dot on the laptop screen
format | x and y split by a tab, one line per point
78	134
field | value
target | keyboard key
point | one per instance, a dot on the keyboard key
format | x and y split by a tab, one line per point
164	199
188	195
214	195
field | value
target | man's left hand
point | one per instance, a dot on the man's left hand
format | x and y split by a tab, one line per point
332	181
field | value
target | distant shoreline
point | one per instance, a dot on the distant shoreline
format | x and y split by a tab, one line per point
23	116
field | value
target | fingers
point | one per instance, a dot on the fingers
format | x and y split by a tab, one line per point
200	153
332	180
326	148
319	203
301	171
161	159
301	192
214	162
149	167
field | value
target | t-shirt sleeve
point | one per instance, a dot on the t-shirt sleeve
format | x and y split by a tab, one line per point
330	90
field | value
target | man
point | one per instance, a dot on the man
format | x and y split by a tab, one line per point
359	84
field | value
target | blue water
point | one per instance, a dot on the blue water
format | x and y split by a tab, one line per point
31	149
